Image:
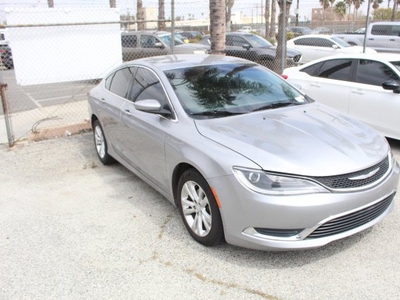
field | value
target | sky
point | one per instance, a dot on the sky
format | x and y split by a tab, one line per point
198	8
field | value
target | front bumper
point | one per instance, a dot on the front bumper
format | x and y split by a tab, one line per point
265	222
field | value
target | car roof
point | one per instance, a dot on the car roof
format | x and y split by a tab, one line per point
384	57
144	32
168	62
239	33
326	36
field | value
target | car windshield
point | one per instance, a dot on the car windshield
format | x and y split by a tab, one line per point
167	38
396	64
222	90
258	41
340	42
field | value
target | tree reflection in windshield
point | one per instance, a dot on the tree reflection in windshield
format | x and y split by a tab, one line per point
230	87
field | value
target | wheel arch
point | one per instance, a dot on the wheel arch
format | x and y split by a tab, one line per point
176	174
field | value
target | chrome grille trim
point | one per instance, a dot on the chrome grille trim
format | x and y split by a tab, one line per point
349	181
352	220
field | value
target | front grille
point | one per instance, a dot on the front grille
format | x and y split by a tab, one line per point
353	220
344	181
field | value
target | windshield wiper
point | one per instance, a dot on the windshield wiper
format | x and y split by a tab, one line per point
216	113
277	105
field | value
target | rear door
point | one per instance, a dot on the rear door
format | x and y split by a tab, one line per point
327	82
115	93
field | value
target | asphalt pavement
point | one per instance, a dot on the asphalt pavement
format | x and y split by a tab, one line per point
71	228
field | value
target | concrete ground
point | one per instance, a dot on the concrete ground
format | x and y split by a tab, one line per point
71	228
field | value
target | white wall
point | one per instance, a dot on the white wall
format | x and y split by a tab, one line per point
48	54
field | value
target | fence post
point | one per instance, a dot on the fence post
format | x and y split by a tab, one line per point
4	102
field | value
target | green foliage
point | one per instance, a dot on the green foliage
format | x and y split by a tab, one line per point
384	14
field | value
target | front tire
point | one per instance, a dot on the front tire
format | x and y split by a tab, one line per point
100	144
199	209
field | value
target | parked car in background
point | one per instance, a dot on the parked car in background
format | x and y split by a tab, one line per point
300	30
6	58
255	48
181	37
245	156
364	86
246	29
191	35
321	30
381	36
138	44
315	46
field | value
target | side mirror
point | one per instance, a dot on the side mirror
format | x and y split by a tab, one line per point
151	106
335	46
158	45
246	46
391	85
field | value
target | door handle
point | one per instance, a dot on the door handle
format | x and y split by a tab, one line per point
127	112
315	84
357	91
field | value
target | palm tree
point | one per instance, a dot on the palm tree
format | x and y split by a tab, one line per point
340	9
113	3
217	26
140	14
324	4
273	18
229	5
280	51
161	15
267	18
357	5
375	4
50	3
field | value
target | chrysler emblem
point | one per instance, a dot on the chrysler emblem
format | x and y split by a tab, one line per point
365	176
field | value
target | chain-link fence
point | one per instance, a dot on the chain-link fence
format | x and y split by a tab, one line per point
51	57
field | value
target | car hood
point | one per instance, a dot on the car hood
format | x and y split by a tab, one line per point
310	139
290	52
357	49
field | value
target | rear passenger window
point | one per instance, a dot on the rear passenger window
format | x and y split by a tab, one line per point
338	69
129	41
119	82
304	42
381	30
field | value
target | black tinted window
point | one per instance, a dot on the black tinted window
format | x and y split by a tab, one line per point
147	86
129	41
313	69
235	41
336	69
373	72
323	43
381	30
119	82
148	41
304	42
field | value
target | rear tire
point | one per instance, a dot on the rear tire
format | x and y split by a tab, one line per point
100	144
199	209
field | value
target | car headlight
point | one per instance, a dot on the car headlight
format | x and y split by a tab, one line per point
275	184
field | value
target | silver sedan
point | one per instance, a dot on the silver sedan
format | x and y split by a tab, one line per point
246	157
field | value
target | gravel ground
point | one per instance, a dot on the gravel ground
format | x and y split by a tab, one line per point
71	228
